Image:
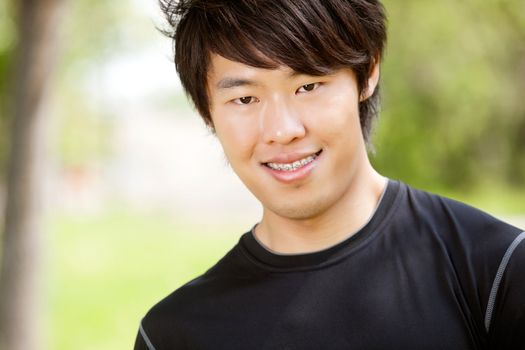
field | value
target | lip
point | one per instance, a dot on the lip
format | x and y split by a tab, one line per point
292	176
291	157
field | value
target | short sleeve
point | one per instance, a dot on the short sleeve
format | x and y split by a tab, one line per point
506	318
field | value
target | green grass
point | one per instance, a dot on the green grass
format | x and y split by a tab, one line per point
106	271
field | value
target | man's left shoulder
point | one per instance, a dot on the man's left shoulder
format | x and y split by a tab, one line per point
457	218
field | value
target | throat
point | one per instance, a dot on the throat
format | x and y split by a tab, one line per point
282	235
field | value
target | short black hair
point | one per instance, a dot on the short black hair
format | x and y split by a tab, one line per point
310	36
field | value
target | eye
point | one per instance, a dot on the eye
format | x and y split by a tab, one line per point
308	87
246	100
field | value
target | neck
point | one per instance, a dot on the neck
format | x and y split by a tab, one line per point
342	220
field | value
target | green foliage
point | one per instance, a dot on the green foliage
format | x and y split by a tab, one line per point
7	45
453	112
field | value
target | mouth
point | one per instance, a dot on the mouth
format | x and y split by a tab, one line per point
293	166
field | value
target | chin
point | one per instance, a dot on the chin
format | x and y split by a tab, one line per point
305	211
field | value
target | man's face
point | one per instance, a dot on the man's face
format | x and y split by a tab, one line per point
294	140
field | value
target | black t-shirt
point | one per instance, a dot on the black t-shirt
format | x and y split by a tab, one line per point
425	272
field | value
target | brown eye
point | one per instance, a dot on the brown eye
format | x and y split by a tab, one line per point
246	100
308	87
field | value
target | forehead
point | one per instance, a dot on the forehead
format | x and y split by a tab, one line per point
220	66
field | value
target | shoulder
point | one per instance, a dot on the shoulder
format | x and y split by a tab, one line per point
473	241
163	325
167	321
476	245
454	220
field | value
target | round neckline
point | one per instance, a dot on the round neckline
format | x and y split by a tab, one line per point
261	255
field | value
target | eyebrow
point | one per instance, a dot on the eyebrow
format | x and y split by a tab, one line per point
231	82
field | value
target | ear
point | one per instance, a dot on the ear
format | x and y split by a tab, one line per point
373	80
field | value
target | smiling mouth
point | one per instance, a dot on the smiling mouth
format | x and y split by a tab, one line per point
294	165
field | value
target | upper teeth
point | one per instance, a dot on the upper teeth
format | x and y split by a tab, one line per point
291	166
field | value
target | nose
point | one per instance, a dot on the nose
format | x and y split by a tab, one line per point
281	122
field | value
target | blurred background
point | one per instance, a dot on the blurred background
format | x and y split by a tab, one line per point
115	193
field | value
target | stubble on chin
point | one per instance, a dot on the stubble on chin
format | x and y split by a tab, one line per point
302	209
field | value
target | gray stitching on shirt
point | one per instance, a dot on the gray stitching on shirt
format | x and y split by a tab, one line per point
499	276
146	338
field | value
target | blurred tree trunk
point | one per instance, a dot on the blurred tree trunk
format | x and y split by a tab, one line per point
20	289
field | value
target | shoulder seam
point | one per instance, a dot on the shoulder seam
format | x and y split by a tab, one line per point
146	338
497	279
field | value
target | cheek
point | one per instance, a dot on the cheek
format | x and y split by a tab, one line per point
337	115
236	135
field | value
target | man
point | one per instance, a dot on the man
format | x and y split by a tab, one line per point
342	257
